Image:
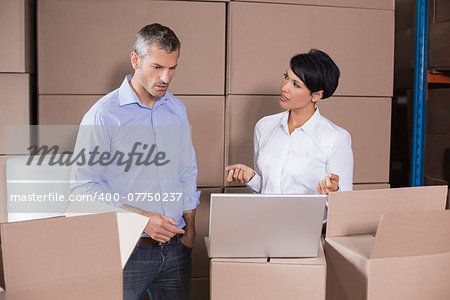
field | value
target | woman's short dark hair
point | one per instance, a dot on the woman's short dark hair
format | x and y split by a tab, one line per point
317	71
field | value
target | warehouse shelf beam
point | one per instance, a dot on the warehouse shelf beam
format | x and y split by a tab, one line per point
420	90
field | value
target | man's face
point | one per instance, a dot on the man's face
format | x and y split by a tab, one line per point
155	70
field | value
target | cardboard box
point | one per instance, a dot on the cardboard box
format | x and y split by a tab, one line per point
442	12
100	60
62	258
200	289
405	14
243	112
14	112
438	111
438	46
200	259
3	214
437	156
274	278
356	187
16	26
206	115
382	4
34	191
408	256
361	117
284	30
207	118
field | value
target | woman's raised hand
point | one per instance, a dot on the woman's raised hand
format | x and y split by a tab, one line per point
239	173
329	184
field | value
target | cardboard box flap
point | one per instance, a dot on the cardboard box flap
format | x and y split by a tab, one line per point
358	212
318	260
355	249
131	225
412	234
42	252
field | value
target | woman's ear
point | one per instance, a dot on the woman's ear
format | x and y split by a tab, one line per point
316	96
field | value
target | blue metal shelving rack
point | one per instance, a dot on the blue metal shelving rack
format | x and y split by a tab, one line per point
420	89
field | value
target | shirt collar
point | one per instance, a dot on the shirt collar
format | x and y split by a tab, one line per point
128	96
308	127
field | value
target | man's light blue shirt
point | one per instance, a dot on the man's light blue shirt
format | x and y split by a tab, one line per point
144	156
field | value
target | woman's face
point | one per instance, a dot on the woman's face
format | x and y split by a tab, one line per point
294	94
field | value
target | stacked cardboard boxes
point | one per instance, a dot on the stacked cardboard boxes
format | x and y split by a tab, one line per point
226	86
16	66
358	36
99	60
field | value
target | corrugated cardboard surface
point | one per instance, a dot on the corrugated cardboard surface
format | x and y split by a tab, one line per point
412	234
200	259
442	12
408	259
3	215
439	44
437	156
404	58
371	186
356	187
15	34
77	54
207	118
405	14
200	289
366	119
438	111
56	256
64	109
206	115
243	112
381	4
358	212
412	278
14	109
286	30
267	280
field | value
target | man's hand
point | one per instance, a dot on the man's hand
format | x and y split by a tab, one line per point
161	228
188	238
239	173
329	184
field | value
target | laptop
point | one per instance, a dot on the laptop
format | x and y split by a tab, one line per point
255	225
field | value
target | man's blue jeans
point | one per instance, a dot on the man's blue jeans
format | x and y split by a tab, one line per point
164	271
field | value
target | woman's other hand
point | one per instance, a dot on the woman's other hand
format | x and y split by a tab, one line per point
239	173
329	184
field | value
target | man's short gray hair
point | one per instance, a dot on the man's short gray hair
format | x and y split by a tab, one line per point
155	33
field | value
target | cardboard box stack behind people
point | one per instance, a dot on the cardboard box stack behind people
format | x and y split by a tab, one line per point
408	258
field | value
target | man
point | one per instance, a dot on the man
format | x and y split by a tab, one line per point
140	136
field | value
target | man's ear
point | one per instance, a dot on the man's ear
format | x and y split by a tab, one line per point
316	96
135	60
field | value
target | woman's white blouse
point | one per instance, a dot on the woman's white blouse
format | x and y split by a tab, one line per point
294	163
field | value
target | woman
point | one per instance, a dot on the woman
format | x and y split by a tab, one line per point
299	151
